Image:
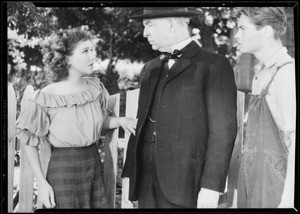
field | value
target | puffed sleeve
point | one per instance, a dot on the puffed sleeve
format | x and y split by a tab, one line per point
32	124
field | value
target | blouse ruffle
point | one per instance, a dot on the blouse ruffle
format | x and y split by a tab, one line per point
94	90
33	122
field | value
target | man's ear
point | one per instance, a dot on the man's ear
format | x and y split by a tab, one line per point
268	32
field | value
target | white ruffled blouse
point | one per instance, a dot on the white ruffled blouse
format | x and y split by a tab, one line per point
73	120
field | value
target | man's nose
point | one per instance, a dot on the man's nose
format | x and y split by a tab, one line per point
145	32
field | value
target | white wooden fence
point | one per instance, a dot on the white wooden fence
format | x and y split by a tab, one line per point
112	144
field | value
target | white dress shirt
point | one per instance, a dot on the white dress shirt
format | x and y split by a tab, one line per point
178	46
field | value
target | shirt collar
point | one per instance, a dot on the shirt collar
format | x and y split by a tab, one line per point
259	67
269	62
275	57
181	44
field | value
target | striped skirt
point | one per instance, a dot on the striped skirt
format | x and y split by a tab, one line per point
75	175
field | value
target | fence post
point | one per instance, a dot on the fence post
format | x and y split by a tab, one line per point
131	111
26	175
234	163
11	127
111	154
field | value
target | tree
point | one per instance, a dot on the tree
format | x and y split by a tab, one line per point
119	38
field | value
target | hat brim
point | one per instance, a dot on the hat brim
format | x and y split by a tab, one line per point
138	14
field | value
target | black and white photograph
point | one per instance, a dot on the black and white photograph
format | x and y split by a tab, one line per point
159	105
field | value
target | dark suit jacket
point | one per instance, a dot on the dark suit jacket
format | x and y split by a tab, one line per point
196	125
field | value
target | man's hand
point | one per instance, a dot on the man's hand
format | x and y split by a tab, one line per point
208	198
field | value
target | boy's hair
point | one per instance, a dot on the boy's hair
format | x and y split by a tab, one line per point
263	16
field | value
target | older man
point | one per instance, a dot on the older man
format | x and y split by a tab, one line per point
180	155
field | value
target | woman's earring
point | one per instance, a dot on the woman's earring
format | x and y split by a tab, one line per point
69	65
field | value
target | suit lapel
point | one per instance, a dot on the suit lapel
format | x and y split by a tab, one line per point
183	62
154	70
179	66
153	78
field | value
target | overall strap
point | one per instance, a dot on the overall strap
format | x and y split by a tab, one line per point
277	69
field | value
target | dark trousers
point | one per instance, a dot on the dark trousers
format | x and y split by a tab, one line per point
150	193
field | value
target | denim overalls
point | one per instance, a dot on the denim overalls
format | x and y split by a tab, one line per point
264	157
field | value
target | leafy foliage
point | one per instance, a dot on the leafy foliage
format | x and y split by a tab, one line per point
28	25
120	44
118	39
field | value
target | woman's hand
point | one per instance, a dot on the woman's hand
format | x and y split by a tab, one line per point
45	191
46	194
128	124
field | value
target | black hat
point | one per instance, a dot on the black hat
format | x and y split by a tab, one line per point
160	12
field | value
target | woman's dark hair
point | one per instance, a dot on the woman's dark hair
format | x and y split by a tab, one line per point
57	47
263	16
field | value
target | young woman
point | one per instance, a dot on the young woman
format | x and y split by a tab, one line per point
70	113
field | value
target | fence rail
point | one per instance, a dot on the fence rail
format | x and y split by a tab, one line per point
112	144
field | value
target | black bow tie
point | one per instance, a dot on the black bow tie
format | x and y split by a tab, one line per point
165	56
